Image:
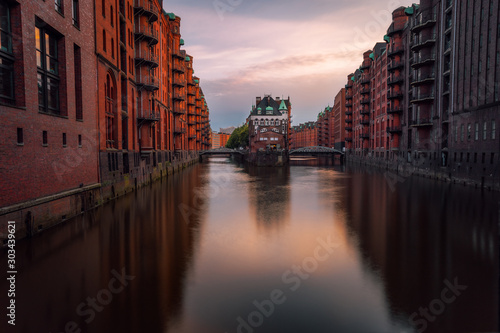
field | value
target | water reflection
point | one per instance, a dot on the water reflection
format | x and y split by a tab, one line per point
205	246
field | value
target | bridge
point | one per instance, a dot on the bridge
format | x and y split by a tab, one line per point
315	151
221	151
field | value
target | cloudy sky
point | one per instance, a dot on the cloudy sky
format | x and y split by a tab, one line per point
299	48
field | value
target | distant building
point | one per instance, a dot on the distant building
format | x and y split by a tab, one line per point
219	140
269	123
339	124
305	135
228	130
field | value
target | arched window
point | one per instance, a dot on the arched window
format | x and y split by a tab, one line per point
262	122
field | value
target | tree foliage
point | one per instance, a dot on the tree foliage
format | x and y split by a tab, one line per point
239	138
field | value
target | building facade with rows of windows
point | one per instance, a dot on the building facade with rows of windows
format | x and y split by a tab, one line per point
96	98
428	98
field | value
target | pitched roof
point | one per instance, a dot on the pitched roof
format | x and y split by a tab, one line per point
267	103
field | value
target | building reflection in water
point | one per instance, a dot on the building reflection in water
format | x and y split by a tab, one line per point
143	234
269	195
425	232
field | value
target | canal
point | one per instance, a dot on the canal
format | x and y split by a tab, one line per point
223	248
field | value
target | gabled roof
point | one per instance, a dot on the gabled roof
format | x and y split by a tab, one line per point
267	104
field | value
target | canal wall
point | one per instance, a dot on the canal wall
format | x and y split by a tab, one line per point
35	216
427	167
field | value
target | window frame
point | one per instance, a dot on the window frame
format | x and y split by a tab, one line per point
50	79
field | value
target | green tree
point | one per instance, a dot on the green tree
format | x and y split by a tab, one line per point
239	138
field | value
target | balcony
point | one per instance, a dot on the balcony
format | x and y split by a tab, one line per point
348	139
147	117
395	109
394	29
348	128
425	21
348	96
146	8
422	98
365	66
364	135
424	79
178	81
147	58
178	67
365	111
179	110
365	91
395	80
395	50
395	65
419	61
395	95
365	122
394	130
365	80
348	113
147	82
365	101
348	105
146	33
424	42
178	55
421	122
179	97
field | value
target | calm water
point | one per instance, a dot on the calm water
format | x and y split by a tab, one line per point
222	248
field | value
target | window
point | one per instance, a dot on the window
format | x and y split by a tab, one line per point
462	133
64	139
112	48
111	16
476	135
44	139
79	141
104	40
75	13
469	132
78	82
103	8
20	136
6	57
456	133
485	127
59	6
48	71
111	131
493	129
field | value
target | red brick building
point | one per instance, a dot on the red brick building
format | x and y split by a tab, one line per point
268	124
47	111
305	135
96	98
443	99
339	120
